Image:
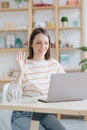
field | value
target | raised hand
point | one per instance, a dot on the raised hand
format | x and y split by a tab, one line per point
21	60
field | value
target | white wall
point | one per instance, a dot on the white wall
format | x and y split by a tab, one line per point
7	59
85	15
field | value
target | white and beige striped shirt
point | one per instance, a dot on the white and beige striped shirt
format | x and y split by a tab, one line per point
37	77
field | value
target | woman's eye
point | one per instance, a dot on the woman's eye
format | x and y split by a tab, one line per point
38	42
46	43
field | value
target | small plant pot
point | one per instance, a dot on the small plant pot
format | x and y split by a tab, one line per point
64	24
5	4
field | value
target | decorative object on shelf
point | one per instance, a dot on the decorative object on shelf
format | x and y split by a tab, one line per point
43	3
51	25
83	62
10	40
40	24
53	45
10	26
6	26
64	21
72	2
21	3
2	42
5	4
64	58
68	45
18	1
18	43
75	23
25	0
61	45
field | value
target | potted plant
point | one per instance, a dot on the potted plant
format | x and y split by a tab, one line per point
18	1
21	3
83	62
64	21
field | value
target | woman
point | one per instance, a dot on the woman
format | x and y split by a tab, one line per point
35	74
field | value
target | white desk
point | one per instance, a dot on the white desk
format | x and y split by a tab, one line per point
66	108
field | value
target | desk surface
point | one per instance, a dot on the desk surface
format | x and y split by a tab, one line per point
5	79
66	108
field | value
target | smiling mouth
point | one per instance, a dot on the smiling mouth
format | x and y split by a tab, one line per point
42	51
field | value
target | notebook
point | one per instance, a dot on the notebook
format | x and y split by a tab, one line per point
67	87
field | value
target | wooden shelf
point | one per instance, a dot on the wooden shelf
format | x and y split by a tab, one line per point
69	7
48	28
43	7
53	49
14	30
13	9
69	28
67	49
56	29
12	49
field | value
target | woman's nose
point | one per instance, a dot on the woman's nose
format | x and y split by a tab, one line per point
43	45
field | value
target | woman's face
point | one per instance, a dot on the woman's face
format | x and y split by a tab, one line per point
40	45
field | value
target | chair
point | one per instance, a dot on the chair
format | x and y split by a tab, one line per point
5	114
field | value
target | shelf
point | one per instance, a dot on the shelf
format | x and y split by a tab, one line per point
69	7
69	28
13	9
12	49
42	7
67	49
48	28
53	49
57	29
14	30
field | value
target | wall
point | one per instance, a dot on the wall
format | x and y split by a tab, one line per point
7	60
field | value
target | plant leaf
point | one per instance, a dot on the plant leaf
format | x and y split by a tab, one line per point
84	67
83	48
83	61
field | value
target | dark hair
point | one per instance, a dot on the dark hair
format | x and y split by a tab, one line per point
33	34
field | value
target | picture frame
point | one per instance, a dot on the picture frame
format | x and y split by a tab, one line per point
10	40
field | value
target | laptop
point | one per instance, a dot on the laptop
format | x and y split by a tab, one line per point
67	87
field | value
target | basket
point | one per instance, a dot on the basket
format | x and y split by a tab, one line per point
5	4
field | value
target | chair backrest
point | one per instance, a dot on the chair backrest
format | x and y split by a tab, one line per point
5	114
5	87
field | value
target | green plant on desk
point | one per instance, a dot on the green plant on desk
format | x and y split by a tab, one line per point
83	62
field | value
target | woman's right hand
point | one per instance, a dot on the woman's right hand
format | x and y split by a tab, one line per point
21	60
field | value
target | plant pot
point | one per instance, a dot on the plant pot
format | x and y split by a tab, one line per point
64	24
5	4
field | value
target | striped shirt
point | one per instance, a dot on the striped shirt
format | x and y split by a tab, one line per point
37	77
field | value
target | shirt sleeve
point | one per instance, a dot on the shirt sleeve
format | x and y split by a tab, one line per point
59	68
